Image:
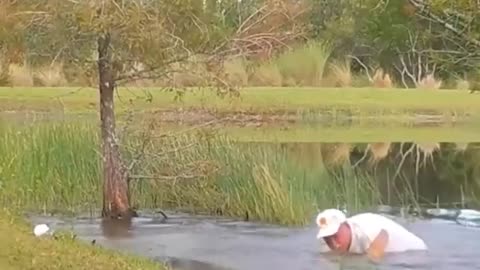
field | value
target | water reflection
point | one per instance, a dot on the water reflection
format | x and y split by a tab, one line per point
116	228
434	173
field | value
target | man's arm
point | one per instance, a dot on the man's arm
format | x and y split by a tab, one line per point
376	250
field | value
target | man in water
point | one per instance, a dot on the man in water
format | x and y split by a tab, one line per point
367	233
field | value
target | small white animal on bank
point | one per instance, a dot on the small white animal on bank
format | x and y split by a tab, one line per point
41	229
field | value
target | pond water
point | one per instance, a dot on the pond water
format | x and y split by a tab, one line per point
203	243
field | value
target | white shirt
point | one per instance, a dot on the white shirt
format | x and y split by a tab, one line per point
365	228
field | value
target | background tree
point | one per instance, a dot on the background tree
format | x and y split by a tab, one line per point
408	38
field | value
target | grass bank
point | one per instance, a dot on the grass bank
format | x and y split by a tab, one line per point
20	249
300	101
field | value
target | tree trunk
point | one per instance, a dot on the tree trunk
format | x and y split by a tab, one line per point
4	65
115	185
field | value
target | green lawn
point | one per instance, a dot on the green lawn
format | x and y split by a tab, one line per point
20	250
358	100
356	134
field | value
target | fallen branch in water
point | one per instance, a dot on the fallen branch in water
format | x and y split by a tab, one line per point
162	213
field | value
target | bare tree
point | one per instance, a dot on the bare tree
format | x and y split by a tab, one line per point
452	27
465	20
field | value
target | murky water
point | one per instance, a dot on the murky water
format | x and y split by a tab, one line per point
205	243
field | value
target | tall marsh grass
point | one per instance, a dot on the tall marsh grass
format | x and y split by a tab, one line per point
305	64
56	166
49	166
341	73
20	75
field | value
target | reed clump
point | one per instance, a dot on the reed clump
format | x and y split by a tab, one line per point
381	79
379	151
341	73
429	82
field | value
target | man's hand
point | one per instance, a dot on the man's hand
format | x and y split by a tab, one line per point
376	250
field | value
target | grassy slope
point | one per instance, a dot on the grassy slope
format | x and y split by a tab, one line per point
20	250
257	99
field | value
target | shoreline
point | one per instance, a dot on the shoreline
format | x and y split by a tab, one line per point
20	249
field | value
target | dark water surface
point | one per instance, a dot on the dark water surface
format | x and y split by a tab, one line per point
199	243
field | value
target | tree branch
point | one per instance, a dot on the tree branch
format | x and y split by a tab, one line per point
423	9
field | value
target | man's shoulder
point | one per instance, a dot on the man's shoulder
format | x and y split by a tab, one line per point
366	223
373	221
367	216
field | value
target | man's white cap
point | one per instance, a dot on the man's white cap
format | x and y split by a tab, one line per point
328	222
